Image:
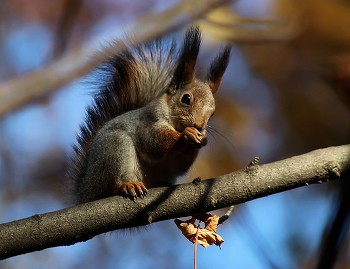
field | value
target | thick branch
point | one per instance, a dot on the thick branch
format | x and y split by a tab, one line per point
82	222
82	60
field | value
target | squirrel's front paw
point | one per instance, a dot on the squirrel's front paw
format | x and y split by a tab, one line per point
195	137
132	190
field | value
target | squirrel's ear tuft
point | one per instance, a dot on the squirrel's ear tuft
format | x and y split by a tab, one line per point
217	68
184	71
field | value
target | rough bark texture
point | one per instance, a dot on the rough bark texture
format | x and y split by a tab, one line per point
82	222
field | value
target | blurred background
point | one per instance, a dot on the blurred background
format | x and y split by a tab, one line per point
285	92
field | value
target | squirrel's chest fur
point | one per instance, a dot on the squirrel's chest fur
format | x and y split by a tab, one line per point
155	160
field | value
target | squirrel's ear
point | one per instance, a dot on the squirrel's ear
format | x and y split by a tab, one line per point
217	68
184	70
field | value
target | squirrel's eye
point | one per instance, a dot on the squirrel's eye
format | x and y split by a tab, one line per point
186	99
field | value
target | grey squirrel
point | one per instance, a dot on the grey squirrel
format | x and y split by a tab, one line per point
147	121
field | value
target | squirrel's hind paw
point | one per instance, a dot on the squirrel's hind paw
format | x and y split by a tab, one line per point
132	190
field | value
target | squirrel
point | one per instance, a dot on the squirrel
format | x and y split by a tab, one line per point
148	120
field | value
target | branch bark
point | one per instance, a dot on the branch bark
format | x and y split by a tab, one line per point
80	223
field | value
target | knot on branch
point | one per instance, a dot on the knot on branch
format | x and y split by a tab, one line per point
252	166
254	162
197	180
329	171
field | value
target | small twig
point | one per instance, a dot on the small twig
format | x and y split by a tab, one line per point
255	161
195	246
227	215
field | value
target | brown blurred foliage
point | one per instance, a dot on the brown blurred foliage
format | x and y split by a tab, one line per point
301	51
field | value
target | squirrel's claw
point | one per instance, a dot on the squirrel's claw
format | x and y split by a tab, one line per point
132	190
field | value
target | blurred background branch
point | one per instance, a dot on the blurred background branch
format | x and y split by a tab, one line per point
65	25
81	60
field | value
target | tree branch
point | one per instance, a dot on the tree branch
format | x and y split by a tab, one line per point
82	222
80	61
